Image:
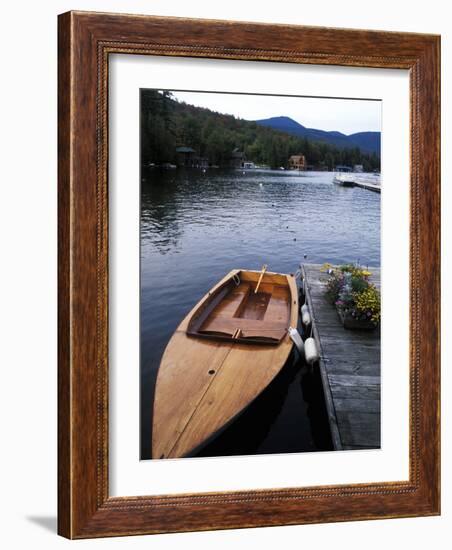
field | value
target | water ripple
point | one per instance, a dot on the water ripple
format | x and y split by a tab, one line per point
196	227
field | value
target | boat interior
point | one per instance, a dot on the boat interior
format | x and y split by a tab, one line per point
235	312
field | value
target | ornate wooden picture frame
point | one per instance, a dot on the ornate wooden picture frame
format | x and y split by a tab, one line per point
86	40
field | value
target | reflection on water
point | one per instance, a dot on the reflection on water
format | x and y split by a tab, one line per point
195	227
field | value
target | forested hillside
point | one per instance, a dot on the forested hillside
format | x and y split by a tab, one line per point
167	124
368	142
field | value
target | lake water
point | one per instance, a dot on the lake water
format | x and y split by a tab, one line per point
196	227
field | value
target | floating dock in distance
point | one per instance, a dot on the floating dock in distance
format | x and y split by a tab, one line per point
368	184
349	368
344	180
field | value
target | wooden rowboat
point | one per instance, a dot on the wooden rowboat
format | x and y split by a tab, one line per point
220	358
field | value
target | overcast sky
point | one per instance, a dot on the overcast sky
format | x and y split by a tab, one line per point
343	115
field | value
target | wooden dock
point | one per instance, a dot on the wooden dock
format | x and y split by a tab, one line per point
369	185
349	368
355	180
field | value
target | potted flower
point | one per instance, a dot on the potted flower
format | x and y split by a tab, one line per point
356	299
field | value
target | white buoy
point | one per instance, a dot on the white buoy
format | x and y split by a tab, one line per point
310	351
305	315
296	339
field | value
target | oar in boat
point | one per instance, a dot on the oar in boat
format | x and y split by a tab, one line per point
264	269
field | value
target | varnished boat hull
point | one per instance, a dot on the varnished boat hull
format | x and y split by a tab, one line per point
204	383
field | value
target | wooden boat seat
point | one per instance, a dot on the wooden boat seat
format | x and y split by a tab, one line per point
243	314
236	313
249	328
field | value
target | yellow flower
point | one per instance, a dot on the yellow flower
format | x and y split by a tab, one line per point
369	301
325	267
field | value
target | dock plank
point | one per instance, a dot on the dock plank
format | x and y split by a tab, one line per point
361	429
349	366
358	405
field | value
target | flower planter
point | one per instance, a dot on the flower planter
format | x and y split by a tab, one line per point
357	300
351	322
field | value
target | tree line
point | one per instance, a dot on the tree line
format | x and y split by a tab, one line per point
167	124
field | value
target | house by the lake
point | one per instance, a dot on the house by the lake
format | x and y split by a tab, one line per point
185	156
297	162
343	168
237	158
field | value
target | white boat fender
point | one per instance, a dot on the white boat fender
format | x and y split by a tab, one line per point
310	351
305	315
296	339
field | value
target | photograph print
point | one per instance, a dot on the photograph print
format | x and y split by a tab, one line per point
260	274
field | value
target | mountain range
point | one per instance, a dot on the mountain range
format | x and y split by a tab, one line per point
368	142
